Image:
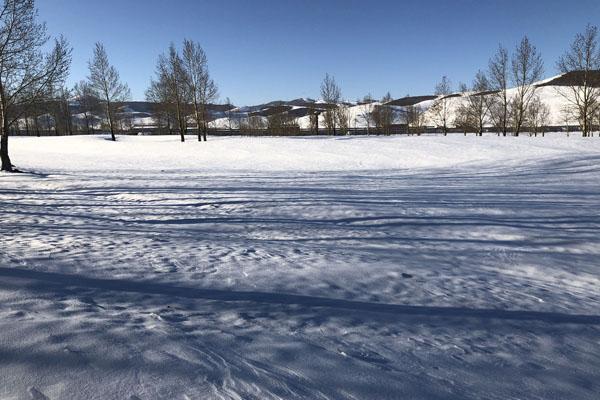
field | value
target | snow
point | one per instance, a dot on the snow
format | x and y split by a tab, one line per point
288	268
316	153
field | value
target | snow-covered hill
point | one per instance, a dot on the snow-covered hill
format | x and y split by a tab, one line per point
141	115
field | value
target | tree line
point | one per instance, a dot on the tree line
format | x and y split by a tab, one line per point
486	103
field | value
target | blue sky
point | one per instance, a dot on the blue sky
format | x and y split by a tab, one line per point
280	49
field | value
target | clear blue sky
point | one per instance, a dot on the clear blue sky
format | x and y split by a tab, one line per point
280	49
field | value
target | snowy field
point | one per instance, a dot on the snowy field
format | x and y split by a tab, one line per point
301	268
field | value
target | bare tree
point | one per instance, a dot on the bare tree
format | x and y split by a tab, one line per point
62	110
106	84
583	94
313	118
26	71
253	124
88	103
440	108
342	117
171	86
478	103
526	68
331	94
366	112
229	115
282	124
538	115
413	116
461	115
567	116
158	95
384	115
201	87
498	80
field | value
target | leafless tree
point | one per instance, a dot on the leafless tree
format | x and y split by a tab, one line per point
384	115
26	71
229	115
253	124
478	103
462	117
498	80
62	111
527	67
163	111
413	116
282	124
171	86
88	103
366	113
106	84
342	117
331	94
313	118
566	113
537	116
201	87
583	95
440	109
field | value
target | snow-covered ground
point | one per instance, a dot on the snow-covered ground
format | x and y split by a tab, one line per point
323	268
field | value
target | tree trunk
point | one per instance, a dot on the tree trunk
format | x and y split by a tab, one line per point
87	122
110	121
180	122
204	123
6	164
198	124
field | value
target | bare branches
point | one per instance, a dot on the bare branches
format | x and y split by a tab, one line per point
106	84
201	87
441	106
88	103
27	73
474	111
498	80
182	80
331	94
537	115
384	115
583	95
527	67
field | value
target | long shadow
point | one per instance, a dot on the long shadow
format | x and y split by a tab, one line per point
59	282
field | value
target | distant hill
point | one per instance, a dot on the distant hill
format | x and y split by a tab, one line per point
142	114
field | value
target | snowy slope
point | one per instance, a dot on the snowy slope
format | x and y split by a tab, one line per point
313	268
549	95
555	97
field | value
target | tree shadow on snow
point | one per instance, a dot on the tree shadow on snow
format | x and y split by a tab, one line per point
57	282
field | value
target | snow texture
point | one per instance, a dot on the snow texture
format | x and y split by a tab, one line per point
321	268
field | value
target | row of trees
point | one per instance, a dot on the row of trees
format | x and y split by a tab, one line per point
487	102
27	73
33	91
183	86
